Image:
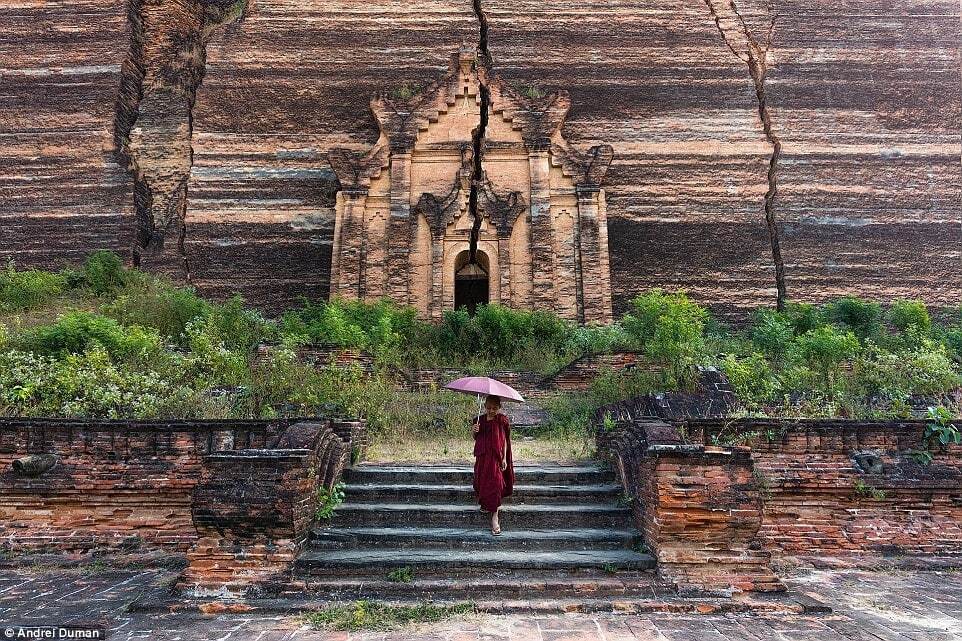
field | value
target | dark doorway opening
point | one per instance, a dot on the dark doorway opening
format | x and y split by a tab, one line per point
471	281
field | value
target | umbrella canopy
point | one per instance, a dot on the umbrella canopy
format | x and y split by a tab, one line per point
484	385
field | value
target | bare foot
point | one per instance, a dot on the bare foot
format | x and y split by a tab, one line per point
495	525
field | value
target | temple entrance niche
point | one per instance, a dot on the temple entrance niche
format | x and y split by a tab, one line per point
471	281
406	219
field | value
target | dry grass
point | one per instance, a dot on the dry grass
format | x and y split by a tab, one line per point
446	448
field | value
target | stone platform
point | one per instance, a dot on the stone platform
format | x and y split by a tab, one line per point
888	605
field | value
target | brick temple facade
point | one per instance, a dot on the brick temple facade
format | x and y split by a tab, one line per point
472	158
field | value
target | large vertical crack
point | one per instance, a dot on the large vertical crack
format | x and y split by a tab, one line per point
154	118
479	133
743	44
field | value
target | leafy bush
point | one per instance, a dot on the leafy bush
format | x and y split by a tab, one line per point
22	290
328	500
772	332
104	272
380	326
239	328
864	318
804	317
88	384
156	303
671	328
823	349
904	314
75	332
752	379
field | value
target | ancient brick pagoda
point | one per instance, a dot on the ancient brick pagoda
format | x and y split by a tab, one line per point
472	195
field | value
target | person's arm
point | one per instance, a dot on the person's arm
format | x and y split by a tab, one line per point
504	442
476	428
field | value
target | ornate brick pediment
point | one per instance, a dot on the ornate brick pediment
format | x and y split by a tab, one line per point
470	170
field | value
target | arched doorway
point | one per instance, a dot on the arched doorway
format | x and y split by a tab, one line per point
471	281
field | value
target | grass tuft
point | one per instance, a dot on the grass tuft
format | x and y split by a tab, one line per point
372	615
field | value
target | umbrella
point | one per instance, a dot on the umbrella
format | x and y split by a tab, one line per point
483	385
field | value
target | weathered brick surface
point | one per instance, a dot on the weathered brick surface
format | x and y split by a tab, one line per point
237	496
699	508
797	488
114	483
865	101
818	500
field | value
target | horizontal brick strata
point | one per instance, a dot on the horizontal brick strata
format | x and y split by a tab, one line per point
237	496
699	508
819	500
114	483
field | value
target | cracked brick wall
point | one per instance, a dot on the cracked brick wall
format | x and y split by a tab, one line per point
865	107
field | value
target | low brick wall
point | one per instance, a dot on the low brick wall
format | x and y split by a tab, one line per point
113	483
237	497
838	487
699	508
253	509
815	488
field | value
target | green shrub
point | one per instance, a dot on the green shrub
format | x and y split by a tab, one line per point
239	328
75	332
772	333
904	314
804	317
23	290
328	501
671	328
752	379
156	303
88	384
864	318
823	349
104	272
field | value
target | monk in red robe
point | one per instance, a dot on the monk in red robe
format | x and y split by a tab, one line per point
493	466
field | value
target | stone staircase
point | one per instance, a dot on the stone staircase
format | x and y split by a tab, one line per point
408	532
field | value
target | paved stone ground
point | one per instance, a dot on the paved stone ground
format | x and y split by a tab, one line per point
870	606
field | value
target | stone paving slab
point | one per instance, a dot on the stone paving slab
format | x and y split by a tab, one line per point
867	606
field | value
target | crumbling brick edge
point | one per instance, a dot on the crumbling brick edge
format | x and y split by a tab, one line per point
238	498
715	517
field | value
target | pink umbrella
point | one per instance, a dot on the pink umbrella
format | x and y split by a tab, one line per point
483	385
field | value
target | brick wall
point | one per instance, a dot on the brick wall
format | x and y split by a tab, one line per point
238	497
253	508
113	483
842	487
699	508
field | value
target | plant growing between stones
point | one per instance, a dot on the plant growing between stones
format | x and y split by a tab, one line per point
862	489
328	500
939	432
401	575
609	568
371	615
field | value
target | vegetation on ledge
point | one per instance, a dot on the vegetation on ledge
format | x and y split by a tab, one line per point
109	342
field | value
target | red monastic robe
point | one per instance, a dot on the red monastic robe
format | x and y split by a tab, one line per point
491	443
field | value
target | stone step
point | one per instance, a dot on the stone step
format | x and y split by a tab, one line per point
473	538
508	585
462	474
457	493
514	517
379	562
